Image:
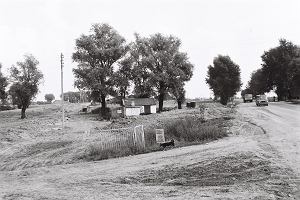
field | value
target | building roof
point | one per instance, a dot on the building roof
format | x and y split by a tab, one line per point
139	102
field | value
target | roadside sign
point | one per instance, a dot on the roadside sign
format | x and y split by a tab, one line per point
160	136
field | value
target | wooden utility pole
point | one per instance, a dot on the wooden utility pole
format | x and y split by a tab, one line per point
62	89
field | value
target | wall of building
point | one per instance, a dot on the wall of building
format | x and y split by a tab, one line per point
132	111
153	109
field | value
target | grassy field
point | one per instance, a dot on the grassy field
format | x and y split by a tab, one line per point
38	141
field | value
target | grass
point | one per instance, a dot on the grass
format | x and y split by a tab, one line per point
189	130
185	131
95	152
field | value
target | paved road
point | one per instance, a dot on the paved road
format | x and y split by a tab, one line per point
281	123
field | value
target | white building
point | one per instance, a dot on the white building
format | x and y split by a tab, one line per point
137	106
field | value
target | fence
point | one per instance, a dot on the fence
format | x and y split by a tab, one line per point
118	139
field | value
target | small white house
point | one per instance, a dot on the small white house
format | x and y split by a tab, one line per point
137	106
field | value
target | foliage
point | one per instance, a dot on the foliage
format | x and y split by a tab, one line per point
278	68
96	54
49	97
3	85
177	89
258	83
223	78
157	62
72	97
26	78
123	76
194	129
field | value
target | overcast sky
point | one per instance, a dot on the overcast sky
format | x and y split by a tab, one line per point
242	29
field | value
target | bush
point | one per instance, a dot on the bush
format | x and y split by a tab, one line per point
194	129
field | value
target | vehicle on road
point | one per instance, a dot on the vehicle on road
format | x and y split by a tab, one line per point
248	97
261	100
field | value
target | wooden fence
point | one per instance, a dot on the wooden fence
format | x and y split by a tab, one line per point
118	139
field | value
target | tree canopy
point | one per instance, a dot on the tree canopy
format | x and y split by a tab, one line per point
223	78
96	55
26	78
49	97
258	83
279	67
157	63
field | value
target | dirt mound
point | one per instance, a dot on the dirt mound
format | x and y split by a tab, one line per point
229	170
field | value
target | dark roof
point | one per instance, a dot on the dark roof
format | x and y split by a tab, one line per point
139	102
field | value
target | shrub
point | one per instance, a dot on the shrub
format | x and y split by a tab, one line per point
194	129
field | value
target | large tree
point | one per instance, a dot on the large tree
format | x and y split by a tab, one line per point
157	62
275	67
96	55
26	78
223	78
3	85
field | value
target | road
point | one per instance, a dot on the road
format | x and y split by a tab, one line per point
281	123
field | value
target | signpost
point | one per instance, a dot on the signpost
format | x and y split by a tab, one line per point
160	136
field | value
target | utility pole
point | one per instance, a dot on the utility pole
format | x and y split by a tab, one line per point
62	89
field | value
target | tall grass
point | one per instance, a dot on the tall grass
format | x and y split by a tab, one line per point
195	129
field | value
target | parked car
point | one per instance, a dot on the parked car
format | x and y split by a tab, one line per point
261	100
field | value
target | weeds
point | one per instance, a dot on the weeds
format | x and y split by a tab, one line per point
193	129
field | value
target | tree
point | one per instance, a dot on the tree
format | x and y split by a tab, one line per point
123	76
49	97
258	83
157	63
72	97
294	78
3	85
223	78
275	67
179	93
26	78
96	54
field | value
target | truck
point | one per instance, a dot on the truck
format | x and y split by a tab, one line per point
248	97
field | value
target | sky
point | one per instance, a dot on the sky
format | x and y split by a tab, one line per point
241	29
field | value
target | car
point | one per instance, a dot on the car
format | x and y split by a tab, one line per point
261	100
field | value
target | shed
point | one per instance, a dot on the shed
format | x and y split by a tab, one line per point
137	106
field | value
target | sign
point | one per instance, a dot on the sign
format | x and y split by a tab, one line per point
160	136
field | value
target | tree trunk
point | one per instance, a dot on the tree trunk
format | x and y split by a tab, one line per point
103	102
23	113
179	104
224	100
160	102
